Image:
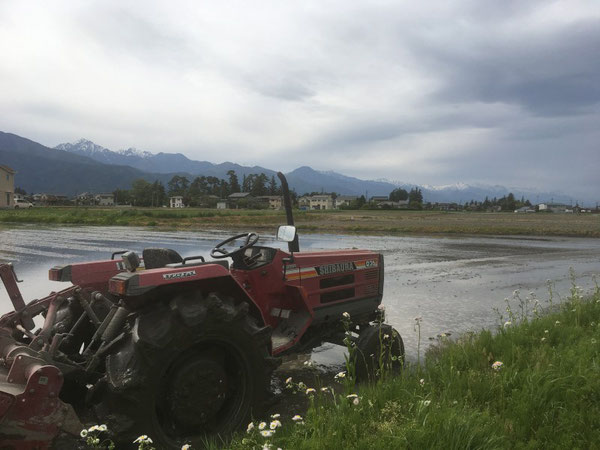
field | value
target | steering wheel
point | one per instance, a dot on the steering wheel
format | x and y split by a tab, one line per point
219	252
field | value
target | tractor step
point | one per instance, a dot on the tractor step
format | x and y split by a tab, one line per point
288	330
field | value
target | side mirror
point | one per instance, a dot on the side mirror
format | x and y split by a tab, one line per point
286	233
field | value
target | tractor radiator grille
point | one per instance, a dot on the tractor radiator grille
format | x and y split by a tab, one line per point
372	275
371	289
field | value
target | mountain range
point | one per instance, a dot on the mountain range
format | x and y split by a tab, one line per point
72	168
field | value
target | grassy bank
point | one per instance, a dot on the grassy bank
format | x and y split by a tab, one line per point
360	222
545	394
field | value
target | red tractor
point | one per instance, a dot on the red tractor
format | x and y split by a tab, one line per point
178	348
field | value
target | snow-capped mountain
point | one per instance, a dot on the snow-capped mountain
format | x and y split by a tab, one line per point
84	147
159	162
304	179
135	153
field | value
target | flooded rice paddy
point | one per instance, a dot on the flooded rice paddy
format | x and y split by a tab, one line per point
453	283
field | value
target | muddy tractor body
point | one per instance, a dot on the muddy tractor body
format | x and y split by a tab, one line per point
181	349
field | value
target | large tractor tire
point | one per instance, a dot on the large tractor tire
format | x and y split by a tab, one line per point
379	348
195	369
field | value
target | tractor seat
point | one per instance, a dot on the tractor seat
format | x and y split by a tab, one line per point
155	258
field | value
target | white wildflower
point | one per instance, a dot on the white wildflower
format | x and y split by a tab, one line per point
310	391
340	375
143	439
422	381
262	425
275	416
288	381
250	427
274	424
356	401
83	433
266	433
507	324
497	366
346	315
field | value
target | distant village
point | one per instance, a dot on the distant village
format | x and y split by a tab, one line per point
256	191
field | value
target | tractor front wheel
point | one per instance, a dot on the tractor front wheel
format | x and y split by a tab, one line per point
194	369
380	350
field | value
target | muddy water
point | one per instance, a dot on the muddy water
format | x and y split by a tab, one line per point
452	283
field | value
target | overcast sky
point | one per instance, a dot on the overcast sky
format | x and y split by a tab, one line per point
482	91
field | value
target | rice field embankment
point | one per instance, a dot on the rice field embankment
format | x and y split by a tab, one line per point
383	222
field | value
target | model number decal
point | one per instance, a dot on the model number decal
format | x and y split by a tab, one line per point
335	268
170	276
371	263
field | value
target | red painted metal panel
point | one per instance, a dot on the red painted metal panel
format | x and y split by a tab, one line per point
168	275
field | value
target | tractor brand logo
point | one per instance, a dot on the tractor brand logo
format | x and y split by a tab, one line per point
170	276
335	268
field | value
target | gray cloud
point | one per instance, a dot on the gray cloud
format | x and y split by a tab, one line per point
436	93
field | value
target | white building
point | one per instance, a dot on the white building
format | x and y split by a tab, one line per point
275	201
105	199
176	202
321	202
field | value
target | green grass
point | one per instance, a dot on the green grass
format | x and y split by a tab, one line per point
546	395
376	222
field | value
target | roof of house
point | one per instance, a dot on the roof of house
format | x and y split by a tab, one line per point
270	197
7	169
239	195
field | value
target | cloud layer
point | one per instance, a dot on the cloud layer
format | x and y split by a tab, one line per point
475	91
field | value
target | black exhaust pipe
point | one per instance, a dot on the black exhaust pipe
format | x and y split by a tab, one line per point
293	246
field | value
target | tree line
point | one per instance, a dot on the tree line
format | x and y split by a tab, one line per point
201	191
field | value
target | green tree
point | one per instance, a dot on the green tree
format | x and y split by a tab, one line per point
398	194
122	196
273	188
259	185
234	184
178	185
415	198
158	194
141	192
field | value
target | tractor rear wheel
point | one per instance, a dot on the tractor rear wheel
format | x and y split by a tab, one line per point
380	349
194	369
